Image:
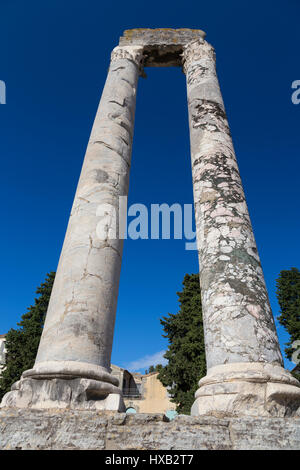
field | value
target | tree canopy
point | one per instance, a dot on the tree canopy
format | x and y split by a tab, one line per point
151	369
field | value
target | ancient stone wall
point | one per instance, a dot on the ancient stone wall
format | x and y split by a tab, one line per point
66	429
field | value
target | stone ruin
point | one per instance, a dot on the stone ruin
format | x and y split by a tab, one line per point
245	374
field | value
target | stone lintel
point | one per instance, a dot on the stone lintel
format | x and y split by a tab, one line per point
162	46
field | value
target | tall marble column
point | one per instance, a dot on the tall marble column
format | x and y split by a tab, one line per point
77	338
245	373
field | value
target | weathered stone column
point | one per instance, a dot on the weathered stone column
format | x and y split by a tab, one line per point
245	373
72	367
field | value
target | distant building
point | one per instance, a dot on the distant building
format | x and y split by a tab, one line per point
144	393
2	352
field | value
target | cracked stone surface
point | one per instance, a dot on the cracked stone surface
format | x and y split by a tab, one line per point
162	47
66	429
81	394
239	325
248	389
245	374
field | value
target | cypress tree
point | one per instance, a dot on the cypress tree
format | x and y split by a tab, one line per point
288	295
22	343
186	352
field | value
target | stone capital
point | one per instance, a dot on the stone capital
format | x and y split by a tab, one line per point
195	51
133	53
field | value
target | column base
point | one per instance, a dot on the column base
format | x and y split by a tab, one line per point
247	389
63	385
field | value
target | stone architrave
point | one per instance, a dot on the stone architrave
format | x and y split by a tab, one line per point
245	370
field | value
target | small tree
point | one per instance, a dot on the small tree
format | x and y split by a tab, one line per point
186	351
288	295
156	368
22	343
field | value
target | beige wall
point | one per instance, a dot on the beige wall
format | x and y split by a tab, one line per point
154	397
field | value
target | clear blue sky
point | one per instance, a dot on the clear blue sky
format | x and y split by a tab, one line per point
54	60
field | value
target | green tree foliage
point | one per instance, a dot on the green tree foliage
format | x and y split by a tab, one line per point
186	352
288	295
22	343
156	368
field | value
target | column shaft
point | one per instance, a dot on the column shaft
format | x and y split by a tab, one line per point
240	333
81	315
239	324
